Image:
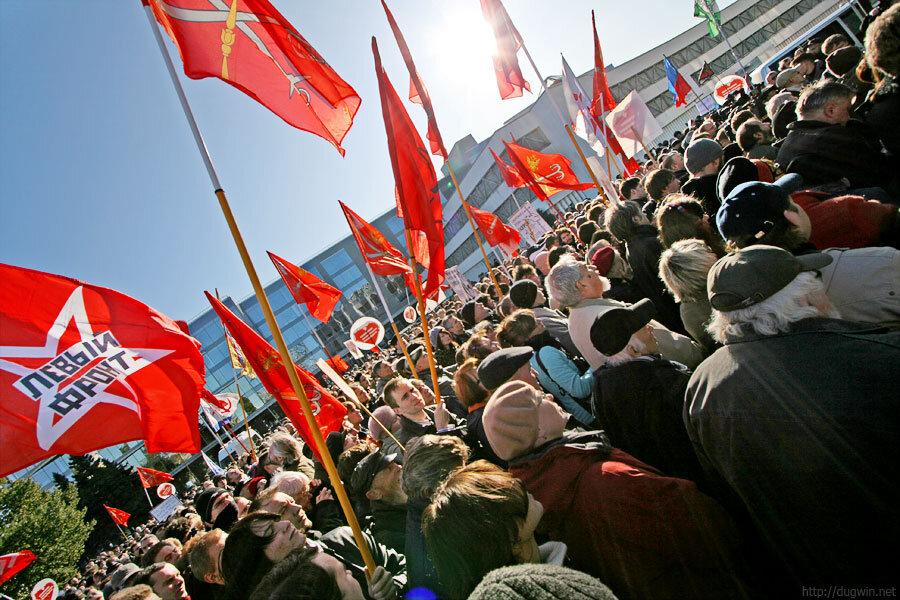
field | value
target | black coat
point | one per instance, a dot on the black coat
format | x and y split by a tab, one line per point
642	251
341	544
705	191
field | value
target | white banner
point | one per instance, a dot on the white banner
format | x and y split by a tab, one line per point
530	225
355	352
164	509
633	124
461	286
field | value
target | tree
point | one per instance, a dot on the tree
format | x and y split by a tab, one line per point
101	482
50	524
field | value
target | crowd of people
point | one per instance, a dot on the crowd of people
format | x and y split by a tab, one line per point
690	392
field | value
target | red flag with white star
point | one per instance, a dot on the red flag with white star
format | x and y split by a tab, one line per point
267	364
152	477
319	297
119	516
84	367
251	46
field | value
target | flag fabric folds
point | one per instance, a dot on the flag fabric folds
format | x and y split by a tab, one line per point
319	297
709	10
10	564
510	175
251	46
152	477
237	359
633	123
338	364
706	73
84	367
382	257
495	231
678	85
417	91
119	516
271	371
578	104
416	186
544	174
506	66
213	467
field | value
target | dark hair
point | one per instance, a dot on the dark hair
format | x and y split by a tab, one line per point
557	253
586	230
516	328
143	576
656	183
739	118
596	213
523	271
746	135
472	525
629	186
297	577
244	562
389	388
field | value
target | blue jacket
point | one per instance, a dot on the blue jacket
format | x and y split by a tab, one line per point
559	376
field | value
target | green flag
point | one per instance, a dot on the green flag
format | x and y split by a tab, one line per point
709	11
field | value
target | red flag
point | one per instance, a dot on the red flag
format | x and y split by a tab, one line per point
416	187
338	364
10	564
382	256
119	516
267	364
512	177
319	297
544	174
506	65
251	46
495	231
152	477
417	91
84	367
603	102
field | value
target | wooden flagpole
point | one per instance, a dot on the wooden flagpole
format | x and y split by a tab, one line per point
240	397
424	317
319	441
474	229
390	317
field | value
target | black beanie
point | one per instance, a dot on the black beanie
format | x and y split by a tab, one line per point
736	171
523	293
204	503
540	582
784	116
467	314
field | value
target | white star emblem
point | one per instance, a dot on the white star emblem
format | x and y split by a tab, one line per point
75	379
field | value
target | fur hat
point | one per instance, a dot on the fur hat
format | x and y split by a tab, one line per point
510	419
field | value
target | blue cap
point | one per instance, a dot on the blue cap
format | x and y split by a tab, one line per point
753	208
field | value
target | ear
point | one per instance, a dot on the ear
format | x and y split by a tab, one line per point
793	217
373	495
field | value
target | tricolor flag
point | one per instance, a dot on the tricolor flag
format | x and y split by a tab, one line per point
495	231
579	106
508	40
678	85
119	516
382	256
415	183
544	174
319	297
251	46
84	367
329	412
709	10
213	467
152	477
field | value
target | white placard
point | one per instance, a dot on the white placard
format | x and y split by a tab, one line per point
164	490
728	85
164	509
45	589
355	352
367	332
459	284
409	314
526	220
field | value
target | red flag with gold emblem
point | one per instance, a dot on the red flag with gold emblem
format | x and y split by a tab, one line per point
319	297
544	174
495	231
267	364
251	46
510	175
119	516
152	477
382	256
506	66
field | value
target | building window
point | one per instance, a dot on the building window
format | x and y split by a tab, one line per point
337	261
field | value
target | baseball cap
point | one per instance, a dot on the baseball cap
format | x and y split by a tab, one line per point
613	328
753	207
497	367
751	275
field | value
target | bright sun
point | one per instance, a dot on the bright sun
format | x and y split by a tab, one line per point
461	41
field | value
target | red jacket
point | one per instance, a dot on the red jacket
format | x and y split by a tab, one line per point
643	534
846	221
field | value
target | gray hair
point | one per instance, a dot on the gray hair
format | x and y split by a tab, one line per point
634	349
814	98
288	482
429	460
620	219
683	268
774	315
562	281
776	102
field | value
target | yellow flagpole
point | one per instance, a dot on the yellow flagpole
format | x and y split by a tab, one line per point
417	288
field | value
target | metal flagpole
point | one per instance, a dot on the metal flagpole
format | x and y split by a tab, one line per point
319	441
474	228
502	264
149	501
387	311
725	37
315	333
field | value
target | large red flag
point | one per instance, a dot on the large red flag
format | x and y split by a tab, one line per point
267	364
417	91
319	297
152	477
506	65
495	231
544	174
510	175
416	186
10	564
251	46
382	256
119	516
84	367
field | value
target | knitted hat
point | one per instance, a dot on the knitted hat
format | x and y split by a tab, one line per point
784	116
700	153
523	293
736	171
540	582
204	503
467	314
510	419
603	259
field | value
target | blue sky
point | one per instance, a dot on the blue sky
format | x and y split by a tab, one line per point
101	179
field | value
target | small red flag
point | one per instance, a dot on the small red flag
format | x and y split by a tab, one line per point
251	46
338	364
84	367
267	364
506	65
10	564
119	516
495	231
417	91
544	174
512	177
319	297
416	186
152	477
382	256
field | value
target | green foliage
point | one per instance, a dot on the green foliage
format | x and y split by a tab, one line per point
50	524
100	482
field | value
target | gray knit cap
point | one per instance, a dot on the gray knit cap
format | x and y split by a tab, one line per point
540	582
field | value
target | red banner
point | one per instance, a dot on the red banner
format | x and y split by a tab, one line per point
10	564
506	66
119	516
319	297
382	256
267	364
496	232
512	177
84	367
544	174
251	46
151	477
